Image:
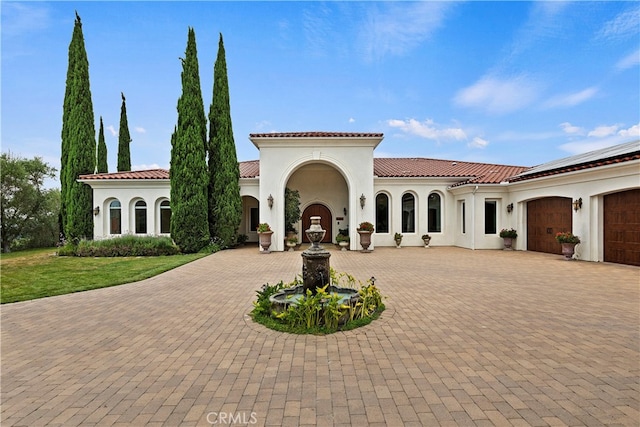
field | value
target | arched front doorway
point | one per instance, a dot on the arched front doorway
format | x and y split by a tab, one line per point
325	221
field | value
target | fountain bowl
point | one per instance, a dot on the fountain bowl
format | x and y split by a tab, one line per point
281	300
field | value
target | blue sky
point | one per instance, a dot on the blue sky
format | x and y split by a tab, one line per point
517	83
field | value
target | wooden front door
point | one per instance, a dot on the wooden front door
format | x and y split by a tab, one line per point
325	221
622	227
545	218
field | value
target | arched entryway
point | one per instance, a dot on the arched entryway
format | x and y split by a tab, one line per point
545	218
324	213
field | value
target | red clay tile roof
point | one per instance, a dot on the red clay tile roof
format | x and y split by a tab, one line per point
145	174
316	135
478	173
249	169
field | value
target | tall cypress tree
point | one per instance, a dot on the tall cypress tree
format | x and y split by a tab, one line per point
102	167
78	142
188	160
225	203
124	138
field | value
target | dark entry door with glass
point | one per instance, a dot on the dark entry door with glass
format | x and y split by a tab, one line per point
325	221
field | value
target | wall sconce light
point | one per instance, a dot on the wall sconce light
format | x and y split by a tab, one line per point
270	201
510	207
344	210
96	210
362	201
577	204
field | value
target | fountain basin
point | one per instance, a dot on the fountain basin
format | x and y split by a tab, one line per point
281	300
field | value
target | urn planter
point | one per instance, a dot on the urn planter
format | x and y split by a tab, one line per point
265	241
568	249
365	240
508	243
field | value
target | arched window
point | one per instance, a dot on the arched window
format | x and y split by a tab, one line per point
165	217
435	213
382	213
408	213
115	217
141	217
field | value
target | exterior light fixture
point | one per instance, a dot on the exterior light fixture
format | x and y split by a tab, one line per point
577	204
270	201
96	210
344	210
362	201
510	207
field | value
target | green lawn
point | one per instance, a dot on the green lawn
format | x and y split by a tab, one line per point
40	273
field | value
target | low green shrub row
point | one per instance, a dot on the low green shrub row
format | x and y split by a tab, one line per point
121	247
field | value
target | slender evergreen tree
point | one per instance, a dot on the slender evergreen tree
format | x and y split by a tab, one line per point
225	203
78	142
124	139
102	166
188	171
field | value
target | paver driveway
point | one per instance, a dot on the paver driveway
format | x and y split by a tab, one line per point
469	338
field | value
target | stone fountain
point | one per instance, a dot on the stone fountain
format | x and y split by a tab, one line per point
315	259
315	273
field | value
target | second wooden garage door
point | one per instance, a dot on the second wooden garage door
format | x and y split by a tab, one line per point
622	227
545	218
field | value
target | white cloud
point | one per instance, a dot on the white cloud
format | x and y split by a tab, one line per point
629	61
261	125
622	26
602	131
478	142
113	131
143	167
571	129
396	28
352	120
633	131
427	129
572	99
140	129
602	137
20	18
499	96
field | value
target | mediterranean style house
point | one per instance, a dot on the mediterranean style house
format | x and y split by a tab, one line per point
595	195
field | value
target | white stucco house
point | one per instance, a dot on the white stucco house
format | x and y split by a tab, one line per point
595	195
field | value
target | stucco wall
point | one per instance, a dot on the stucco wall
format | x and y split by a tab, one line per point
128	192
280	158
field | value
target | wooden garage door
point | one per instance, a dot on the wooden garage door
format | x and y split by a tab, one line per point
325	221
622	227
545	218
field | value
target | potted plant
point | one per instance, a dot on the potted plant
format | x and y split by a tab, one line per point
365	229
291	210
291	242
342	240
398	238
507	236
426	239
264	233
568	241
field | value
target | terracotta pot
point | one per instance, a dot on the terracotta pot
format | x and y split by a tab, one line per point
365	240
265	241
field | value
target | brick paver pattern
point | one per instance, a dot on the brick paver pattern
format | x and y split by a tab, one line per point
468	338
